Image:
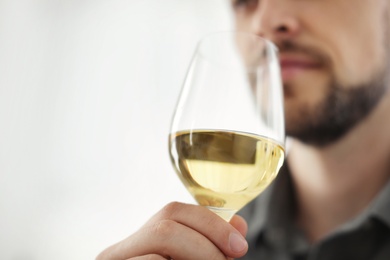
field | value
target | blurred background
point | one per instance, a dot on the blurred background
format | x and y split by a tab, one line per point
87	90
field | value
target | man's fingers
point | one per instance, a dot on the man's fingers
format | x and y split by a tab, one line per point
226	237
181	231
168	239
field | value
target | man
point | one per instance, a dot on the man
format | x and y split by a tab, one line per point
332	197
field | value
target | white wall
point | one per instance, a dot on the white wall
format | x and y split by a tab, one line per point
87	89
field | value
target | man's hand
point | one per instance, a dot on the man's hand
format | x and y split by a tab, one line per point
183	232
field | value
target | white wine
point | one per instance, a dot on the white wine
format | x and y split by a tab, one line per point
225	170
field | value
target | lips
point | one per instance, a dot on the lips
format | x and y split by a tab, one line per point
295	66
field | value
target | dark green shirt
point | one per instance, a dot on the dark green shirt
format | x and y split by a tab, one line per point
272	234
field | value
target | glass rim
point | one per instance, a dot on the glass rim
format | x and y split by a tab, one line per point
232	32
268	43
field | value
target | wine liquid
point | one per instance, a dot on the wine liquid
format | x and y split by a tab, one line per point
224	169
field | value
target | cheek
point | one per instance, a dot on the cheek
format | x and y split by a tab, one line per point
357	47
358	61
353	38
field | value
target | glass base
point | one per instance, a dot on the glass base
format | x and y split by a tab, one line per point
226	214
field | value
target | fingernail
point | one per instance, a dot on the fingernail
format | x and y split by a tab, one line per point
237	242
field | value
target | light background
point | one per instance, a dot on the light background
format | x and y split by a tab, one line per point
87	90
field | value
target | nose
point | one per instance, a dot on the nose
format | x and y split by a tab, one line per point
275	20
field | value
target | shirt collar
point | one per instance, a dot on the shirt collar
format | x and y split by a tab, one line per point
380	207
274	208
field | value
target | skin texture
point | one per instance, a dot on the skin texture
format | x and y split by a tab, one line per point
334	63
181	231
341	43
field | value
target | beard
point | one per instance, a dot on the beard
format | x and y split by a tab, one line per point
340	110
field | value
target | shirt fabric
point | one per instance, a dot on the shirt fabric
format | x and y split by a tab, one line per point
272	234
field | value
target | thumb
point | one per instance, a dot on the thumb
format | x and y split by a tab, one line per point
240	224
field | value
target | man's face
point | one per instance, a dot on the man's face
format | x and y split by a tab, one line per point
333	59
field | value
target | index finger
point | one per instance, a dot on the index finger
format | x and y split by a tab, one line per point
226	237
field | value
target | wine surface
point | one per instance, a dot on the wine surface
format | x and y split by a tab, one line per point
223	169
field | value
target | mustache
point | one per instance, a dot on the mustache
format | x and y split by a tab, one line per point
290	47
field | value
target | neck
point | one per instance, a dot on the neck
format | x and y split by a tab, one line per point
337	182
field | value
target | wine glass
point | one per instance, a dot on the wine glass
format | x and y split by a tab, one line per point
227	135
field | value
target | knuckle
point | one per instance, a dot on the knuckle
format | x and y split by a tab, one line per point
102	257
164	228
170	209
